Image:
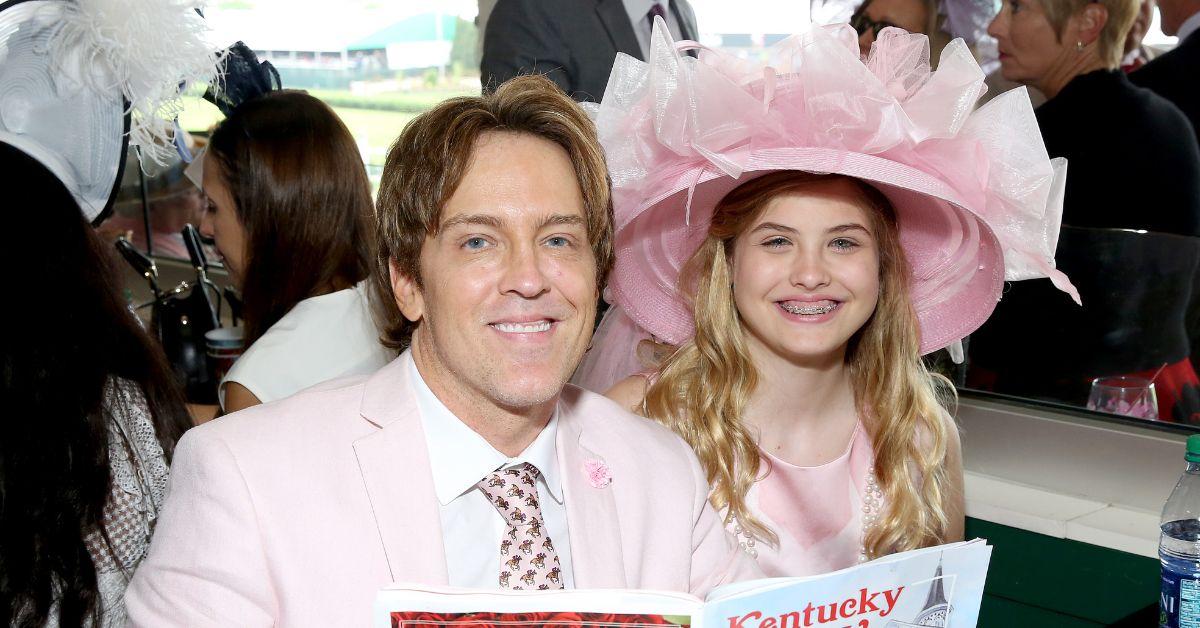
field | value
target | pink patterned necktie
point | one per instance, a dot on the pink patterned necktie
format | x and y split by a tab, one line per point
527	556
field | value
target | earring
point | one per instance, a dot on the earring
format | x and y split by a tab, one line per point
1079	46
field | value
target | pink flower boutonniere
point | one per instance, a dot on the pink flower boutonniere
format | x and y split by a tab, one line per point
598	474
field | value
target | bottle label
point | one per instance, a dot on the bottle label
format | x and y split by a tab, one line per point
1179	601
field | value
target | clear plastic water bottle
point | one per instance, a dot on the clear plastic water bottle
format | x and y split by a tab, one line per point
1179	547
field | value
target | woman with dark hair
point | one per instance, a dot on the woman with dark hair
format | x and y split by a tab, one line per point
290	209
91	410
91	416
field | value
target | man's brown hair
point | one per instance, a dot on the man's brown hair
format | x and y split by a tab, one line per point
428	161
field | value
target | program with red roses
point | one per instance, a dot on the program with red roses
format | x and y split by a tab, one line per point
936	586
570	619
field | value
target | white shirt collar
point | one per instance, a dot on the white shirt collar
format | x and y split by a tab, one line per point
1189	26
459	457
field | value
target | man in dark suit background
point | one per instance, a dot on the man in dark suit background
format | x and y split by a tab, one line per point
574	42
1174	75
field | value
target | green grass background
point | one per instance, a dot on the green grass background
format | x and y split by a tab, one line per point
375	123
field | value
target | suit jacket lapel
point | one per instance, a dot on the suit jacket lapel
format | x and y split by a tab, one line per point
687	23
394	462
620	31
592	517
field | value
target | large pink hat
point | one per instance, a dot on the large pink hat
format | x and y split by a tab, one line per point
978	199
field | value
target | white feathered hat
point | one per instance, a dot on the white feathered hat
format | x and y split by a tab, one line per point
80	80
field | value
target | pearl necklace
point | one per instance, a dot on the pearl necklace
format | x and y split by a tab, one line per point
872	507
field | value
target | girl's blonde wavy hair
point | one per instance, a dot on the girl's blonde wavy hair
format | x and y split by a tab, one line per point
702	389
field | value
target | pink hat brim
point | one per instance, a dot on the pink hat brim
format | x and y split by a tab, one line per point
955	260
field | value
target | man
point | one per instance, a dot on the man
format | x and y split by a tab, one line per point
1173	74
574	42
465	461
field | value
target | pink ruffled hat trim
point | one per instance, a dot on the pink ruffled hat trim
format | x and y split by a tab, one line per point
978	199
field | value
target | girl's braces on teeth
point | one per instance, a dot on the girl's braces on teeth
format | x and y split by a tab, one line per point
809	311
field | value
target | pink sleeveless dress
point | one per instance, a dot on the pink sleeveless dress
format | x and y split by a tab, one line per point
819	513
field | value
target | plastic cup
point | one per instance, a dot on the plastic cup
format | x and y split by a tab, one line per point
224	346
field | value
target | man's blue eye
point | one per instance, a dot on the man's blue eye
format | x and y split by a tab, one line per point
558	241
475	243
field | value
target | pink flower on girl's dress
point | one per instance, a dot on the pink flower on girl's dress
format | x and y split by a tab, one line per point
598	474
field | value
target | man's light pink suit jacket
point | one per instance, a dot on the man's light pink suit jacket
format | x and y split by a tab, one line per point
295	513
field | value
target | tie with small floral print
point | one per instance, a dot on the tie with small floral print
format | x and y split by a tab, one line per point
527	556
